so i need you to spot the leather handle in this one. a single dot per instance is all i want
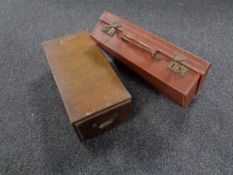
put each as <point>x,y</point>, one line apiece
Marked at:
<point>174,65</point>
<point>140,44</point>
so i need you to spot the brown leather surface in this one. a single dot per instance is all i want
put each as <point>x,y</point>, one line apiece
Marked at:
<point>86,81</point>
<point>179,88</point>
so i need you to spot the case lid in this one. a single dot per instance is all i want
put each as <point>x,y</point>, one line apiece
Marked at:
<point>86,81</point>
<point>155,45</point>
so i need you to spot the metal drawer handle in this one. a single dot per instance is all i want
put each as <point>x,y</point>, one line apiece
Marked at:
<point>106,123</point>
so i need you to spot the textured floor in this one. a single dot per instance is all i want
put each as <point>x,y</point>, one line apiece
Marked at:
<point>161,138</point>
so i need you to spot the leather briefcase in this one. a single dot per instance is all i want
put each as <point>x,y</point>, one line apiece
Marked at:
<point>175,72</point>
<point>94,97</point>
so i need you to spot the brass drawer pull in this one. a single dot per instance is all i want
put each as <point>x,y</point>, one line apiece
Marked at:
<point>106,123</point>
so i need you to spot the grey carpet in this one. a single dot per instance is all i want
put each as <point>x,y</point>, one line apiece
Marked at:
<point>161,138</point>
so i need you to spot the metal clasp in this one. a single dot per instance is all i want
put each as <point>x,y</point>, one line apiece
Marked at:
<point>110,29</point>
<point>157,55</point>
<point>176,66</point>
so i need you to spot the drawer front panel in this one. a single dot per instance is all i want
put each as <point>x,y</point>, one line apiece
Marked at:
<point>103,121</point>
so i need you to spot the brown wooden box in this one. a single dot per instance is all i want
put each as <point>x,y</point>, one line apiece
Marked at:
<point>93,95</point>
<point>175,72</point>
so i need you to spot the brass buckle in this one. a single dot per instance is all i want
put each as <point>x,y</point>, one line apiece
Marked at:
<point>110,29</point>
<point>176,67</point>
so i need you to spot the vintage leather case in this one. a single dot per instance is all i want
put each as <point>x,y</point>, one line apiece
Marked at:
<point>175,72</point>
<point>93,95</point>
